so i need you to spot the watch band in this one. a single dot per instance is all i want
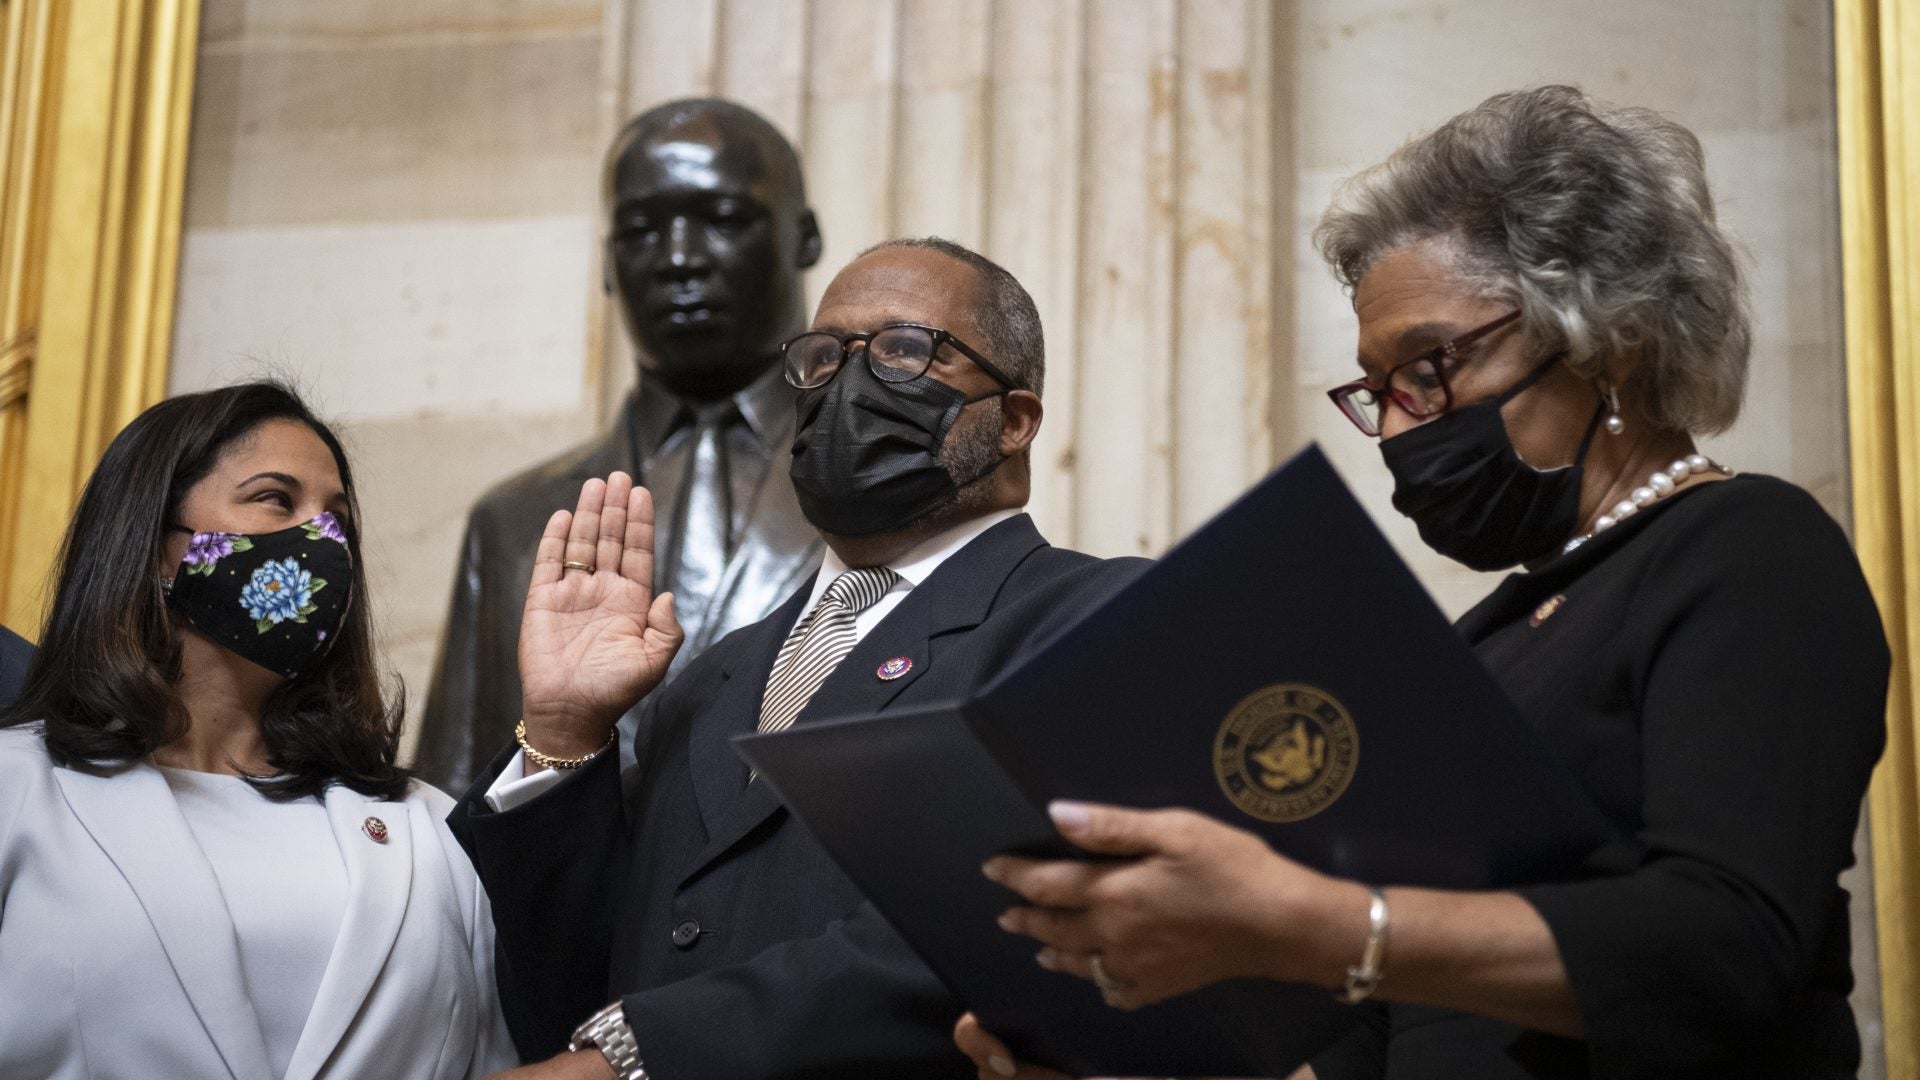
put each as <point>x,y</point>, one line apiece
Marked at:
<point>1365,976</point>
<point>607,1032</point>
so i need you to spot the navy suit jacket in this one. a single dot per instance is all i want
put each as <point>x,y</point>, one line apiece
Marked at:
<point>737,947</point>
<point>15,654</point>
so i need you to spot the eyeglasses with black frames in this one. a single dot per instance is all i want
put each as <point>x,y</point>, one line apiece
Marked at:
<point>1418,386</point>
<point>899,353</point>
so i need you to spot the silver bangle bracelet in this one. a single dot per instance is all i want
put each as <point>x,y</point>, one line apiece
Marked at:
<point>1364,977</point>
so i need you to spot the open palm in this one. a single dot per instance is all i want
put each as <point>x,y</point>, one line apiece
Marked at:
<point>593,643</point>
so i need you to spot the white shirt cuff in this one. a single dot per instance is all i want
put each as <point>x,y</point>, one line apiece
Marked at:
<point>513,787</point>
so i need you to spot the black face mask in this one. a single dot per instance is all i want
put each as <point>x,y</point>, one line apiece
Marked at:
<point>1474,500</point>
<point>866,458</point>
<point>278,599</point>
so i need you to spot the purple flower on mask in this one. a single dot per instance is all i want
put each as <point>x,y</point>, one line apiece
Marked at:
<point>325,526</point>
<point>208,548</point>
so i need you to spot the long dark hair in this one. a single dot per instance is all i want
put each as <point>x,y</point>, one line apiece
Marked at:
<point>104,679</point>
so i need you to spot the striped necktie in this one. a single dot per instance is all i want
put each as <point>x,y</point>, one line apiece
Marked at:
<point>819,643</point>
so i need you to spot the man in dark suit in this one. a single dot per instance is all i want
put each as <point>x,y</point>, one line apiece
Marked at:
<point>727,942</point>
<point>15,654</point>
<point>708,231</point>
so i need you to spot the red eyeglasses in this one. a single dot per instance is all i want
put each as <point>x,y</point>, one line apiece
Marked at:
<point>1418,386</point>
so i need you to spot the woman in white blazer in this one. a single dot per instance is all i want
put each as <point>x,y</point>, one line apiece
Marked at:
<point>210,863</point>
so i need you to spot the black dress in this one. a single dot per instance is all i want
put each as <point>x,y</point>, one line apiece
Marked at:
<point>1714,671</point>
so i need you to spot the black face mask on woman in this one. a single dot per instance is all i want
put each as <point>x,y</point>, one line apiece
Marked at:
<point>866,458</point>
<point>277,599</point>
<point>1474,500</point>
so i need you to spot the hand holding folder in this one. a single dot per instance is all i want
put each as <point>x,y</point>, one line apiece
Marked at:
<point>1192,903</point>
<point>1280,671</point>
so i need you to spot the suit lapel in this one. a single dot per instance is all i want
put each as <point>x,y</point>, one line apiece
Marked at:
<point>957,596</point>
<point>133,817</point>
<point>379,880</point>
<point>719,776</point>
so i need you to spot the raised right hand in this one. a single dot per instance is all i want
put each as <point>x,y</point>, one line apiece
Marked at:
<point>592,644</point>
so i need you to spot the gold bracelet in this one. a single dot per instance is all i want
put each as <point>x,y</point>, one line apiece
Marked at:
<point>546,762</point>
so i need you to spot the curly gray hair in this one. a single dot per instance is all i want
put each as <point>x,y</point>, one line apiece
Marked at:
<point>1594,221</point>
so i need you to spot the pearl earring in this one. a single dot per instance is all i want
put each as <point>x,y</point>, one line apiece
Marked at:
<point>1615,425</point>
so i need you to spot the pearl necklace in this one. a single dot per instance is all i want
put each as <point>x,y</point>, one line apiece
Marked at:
<point>1661,484</point>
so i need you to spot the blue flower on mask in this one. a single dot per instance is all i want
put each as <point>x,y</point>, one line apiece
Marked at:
<point>279,591</point>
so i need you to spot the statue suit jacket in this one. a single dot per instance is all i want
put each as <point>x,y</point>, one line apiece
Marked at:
<point>474,700</point>
<point>739,949</point>
<point>118,959</point>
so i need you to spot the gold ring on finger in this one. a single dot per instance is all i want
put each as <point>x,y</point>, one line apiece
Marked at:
<point>570,564</point>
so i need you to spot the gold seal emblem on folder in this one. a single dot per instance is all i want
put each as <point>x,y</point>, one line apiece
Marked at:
<point>1287,752</point>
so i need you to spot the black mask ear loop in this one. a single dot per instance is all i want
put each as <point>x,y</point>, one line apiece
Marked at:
<point>1539,372</point>
<point>998,461</point>
<point>1534,376</point>
<point>1593,425</point>
<point>166,583</point>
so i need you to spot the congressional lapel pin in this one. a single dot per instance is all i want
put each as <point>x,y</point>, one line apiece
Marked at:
<point>894,668</point>
<point>375,829</point>
<point>1546,609</point>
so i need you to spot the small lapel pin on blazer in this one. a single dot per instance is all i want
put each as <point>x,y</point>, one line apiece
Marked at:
<point>1546,609</point>
<point>894,668</point>
<point>375,829</point>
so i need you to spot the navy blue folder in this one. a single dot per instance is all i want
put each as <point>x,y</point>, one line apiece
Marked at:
<point>1281,670</point>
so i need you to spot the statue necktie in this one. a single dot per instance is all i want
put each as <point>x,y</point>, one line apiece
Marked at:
<point>817,645</point>
<point>705,523</point>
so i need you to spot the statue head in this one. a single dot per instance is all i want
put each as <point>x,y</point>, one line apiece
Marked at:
<point>708,231</point>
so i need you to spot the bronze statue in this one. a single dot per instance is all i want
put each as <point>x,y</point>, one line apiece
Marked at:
<point>708,231</point>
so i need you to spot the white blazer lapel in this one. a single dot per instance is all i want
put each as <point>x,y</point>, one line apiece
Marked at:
<point>133,817</point>
<point>379,878</point>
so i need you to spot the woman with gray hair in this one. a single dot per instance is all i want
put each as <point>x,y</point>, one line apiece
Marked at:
<point>1548,315</point>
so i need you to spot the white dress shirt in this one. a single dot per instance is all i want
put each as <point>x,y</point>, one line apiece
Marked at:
<point>513,787</point>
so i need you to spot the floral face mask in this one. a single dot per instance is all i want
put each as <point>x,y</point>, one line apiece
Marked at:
<point>277,599</point>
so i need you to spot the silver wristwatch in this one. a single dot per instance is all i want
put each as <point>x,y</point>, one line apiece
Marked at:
<point>607,1032</point>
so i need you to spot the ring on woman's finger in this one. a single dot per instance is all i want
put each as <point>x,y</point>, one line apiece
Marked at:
<point>1106,982</point>
<point>585,568</point>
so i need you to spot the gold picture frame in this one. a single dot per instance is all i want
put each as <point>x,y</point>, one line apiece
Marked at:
<point>1877,68</point>
<point>95,101</point>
